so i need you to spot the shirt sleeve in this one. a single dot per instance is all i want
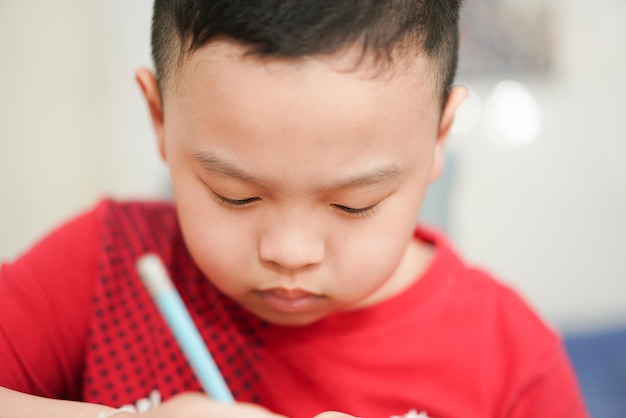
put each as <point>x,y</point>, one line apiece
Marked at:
<point>45,298</point>
<point>554,393</point>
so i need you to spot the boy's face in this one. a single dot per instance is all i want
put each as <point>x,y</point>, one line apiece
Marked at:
<point>298,183</point>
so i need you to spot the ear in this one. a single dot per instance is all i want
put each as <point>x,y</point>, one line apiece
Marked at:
<point>457,95</point>
<point>150,88</point>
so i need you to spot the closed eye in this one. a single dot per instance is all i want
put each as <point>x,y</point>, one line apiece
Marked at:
<point>234,203</point>
<point>358,212</point>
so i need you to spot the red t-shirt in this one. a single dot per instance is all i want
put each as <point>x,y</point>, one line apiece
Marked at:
<point>77,323</point>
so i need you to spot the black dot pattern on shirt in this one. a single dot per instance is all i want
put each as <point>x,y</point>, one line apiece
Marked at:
<point>130,350</point>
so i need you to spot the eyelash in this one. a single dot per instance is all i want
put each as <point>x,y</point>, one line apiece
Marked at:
<point>232,203</point>
<point>357,213</point>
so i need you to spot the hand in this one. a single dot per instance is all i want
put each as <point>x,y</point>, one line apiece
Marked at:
<point>197,405</point>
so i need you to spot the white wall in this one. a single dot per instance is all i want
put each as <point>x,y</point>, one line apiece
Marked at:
<point>548,218</point>
<point>73,126</point>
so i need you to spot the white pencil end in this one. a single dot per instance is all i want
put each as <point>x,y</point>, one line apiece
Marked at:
<point>153,274</point>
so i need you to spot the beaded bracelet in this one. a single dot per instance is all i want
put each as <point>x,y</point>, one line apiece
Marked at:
<point>108,414</point>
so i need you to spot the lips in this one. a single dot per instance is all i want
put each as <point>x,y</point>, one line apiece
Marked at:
<point>290,300</point>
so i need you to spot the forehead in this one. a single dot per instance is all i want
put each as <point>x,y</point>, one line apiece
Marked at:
<point>407,66</point>
<point>301,117</point>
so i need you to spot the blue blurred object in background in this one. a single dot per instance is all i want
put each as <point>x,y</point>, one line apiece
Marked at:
<point>599,359</point>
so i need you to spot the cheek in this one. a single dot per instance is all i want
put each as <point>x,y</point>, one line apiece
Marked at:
<point>220,246</point>
<point>220,254</point>
<point>373,251</point>
<point>210,232</point>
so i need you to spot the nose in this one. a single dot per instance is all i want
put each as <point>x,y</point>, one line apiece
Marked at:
<point>292,244</point>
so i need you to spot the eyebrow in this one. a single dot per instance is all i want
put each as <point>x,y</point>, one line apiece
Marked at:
<point>378,176</point>
<point>211,162</point>
<point>373,178</point>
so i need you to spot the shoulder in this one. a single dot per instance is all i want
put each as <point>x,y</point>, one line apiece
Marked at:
<point>487,303</point>
<point>510,346</point>
<point>109,211</point>
<point>75,247</point>
<point>48,288</point>
<point>69,245</point>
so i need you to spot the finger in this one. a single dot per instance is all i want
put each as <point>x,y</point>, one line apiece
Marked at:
<point>334,414</point>
<point>197,405</point>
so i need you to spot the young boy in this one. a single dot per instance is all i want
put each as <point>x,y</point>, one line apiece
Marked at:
<point>300,137</point>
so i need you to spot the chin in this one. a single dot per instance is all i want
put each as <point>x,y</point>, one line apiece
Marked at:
<point>290,319</point>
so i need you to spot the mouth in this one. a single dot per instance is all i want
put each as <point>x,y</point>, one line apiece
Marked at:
<point>289,300</point>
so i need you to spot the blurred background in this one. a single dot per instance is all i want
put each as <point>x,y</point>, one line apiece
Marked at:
<point>534,189</point>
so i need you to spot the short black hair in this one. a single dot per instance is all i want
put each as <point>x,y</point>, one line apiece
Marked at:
<point>298,28</point>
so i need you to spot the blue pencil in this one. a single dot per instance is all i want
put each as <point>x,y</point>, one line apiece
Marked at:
<point>160,286</point>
